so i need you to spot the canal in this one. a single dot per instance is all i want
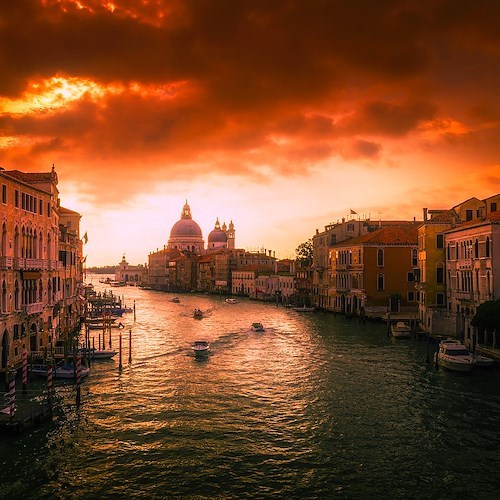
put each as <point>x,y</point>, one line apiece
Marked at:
<point>317,406</point>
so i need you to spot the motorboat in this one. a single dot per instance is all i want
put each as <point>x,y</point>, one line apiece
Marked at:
<point>197,314</point>
<point>117,283</point>
<point>453,355</point>
<point>483,361</point>
<point>258,327</point>
<point>176,300</point>
<point>61,371</point>
<point>231,301</point>
<point>201,348</point>
<point>304,308</point>
<point>400,330</point>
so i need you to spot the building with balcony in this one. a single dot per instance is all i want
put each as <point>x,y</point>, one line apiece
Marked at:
<point>40,265</point>
<point>373,274</point>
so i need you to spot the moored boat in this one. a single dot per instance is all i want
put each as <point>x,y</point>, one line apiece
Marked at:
<point>61,371</point>
<point>483,361</point>
<point>304,308</point>
<point>401,330</point>
<point>453,355</point>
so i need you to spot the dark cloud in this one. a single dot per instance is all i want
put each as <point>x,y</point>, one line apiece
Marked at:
<point>315,75</point>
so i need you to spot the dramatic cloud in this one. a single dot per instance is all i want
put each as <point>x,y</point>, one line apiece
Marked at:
<point>146,92</point>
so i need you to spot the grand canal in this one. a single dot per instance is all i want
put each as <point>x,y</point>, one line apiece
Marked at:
<point>317,406</point>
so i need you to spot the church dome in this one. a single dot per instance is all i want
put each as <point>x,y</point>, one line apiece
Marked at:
<point>217,237</point>
<point>185,227</point>
<point>185,233</point>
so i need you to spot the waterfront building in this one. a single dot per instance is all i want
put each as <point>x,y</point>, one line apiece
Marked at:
<point>373,274</point>
<point>437,316</point>
<point>132,275</point>
<point>324,241</point>
<point>159,265</point>
<point>244,281</point>
<point>473,261</point>
<point>40,265</point>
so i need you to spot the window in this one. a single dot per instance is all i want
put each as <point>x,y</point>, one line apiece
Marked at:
<point>411,276</point>
<point>4,194</point>
<point>487,246</point>
<point>411,297</point>
<point>16,198</point>
<point>380,282</point>
<point>439,241</point>
<point>414,257</point>
<point>476,249</point>
<point>468,215</point>
<point>440,276</point>
<point>380,257</point>
<point>440,299</point>
<point>493,207</point>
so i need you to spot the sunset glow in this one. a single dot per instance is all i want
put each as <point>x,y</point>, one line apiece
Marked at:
<point>282,116</point>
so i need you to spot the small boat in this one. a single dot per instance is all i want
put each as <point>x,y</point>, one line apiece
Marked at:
<point>258,327</point>
<point>453,355</point>
<point>304,308</point>
<point>176,300</point>
<point>483,361</point>
<point>201,348</point>
<point>401,330</point>
<point>231,301</point>
<point>197,313</point>
<point>117,283</point>
<point>99,353</point>
<point>62,371</point>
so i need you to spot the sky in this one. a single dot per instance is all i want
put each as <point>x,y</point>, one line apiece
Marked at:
<point>282,116</point>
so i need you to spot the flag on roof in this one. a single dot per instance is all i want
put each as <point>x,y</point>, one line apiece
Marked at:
<point>353,212</point>
<point>85,238</point>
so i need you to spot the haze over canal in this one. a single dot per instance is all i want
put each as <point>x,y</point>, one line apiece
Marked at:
<point>315,407</point>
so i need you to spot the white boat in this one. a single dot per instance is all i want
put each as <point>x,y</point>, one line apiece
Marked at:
<point>401,330</point>
<point>197,314</point>
<point>201,348</point>
<point>483,361</point>
<point>304,308</point>
<point>62,371</point>
<point>231,301</point>
<point>258,327</point>
<point>117,283</point>
<point>453,355</point>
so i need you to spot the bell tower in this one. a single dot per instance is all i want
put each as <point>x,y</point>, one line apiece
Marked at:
<point>231,234</point>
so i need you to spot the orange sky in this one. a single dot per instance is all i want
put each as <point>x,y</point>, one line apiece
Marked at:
<point>279,115</point>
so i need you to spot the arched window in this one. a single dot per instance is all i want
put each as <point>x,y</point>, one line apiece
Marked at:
<point>3,241</point>
<point>380,257</point>
<point>476,249</point>
<point>3,301</point>
<point>487,246</point>
<point>380,281</point>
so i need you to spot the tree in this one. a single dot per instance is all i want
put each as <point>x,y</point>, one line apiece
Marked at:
<point>304,253</point>
<point>487,315</point>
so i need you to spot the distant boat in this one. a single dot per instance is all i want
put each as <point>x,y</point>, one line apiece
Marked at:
<point>231,301</point>
<point>304,309</point>
<point>117,283</point>
<point>258,327</point>
<point>401,330</point>
<point>201,348</point>
<point>175,299</point>
<point>197,313</point>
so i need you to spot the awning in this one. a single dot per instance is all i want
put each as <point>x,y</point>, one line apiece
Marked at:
<point>31,275</point>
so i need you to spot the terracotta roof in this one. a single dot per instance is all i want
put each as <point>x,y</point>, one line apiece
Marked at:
<point>206,258</point>
<point>447,216</point>
<point>492,217</point>
<point>389,235</point>
<point>29,176</point>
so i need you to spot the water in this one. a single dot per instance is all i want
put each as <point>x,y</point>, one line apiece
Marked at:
<point>315,407</point>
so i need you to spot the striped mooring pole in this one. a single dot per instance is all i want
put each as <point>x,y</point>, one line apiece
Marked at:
<point>25,370</point>
<point>12,394</point>
<point>49,384</point>
<point>78,376</point>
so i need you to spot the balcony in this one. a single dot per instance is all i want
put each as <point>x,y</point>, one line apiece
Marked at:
<point>465,263</point>
<point>6,263</point>
<point>34,308</point>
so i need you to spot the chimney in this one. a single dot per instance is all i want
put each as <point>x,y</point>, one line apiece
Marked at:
<point>425,214</point>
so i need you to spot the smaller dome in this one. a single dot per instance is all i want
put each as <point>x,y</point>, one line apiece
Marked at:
<point>217,236</point>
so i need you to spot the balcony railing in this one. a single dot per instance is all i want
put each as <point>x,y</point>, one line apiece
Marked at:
<point>6,263</point>
<point>34,308</point>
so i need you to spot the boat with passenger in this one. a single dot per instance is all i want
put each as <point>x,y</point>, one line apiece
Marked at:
<point>197,314</point>
<point>258,327</point>
<point>401,330</point>
<point>201,348</point>
<point>176,300</point>
<point>453,355</point>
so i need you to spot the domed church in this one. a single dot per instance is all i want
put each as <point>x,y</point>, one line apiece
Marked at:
<point>186,234</point>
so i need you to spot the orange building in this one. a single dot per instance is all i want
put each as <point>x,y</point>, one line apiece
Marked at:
<point>373,274</point>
